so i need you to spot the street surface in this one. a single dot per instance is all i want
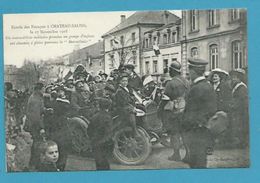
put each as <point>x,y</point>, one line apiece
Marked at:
<point>159,160</point>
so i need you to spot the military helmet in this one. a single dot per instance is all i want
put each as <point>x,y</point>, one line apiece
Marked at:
<point>175,65</point>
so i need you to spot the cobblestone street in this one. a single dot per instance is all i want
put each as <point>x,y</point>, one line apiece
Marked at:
<point>159,160</point>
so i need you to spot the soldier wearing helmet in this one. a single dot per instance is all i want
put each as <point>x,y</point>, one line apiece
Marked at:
<point>172,106</point>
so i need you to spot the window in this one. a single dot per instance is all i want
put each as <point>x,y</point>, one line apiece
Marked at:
<point>212,14</point>
<point>133,37</point>
<point>122,40</point>
<point>174,59</point>
<point>165,39</point>
<point>174,37</point>
<point>168,35</point>
<point>134,56</point>
<point>165,64</point>
<point>194,52</point>
<point>112,60</point>
<point>236,55</point>
<point>194,20</point>
<point>155,66</point>
<point>150,40</point>
<point>147,67</point>
<point>111,43</point>
<point>213,53</point>
<point>146,43</point>
<point>154,40</point>
<point>235,14</point>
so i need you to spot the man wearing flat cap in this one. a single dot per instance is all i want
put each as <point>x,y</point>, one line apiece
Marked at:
<point>200,107</point>
<point>34,122</point>
<point>134,80</point>
<point>175,92</point>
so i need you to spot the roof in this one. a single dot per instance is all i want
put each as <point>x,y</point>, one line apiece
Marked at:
<point>178,22</point>
<point>144,17</point>
<point>95,50</point>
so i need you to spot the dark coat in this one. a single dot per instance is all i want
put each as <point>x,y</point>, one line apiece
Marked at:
<point>59,130</point>
<point>124,101</point>
<point>100,128</point>
<point>240,117</point>
<point>224,96</point>
<point>47,167</point>
<point>200,105</point>
<point>135,82</point>
<point>35,111</point>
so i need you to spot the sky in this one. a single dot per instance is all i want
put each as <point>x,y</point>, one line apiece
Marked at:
<point>34,37</point>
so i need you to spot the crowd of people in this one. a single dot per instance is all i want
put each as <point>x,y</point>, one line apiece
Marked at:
<point>184,107</point>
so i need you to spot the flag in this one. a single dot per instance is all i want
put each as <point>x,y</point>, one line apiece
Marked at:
<point>68,75</point>
<point>156,50</point>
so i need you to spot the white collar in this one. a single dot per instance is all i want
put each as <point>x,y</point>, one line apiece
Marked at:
<point>200,78</point>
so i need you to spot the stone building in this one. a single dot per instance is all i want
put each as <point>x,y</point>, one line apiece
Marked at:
<point>167,38</point>
<point>123,43</point>
<point>218,36</point>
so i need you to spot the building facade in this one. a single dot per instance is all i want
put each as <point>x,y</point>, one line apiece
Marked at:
<point>167,38</point>
<point>124,43</point>
<point>218,36</point>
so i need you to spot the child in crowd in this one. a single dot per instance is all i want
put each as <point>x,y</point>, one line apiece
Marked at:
<point>49,155</point>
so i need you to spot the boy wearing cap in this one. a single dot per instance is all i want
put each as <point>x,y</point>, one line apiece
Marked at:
<point>200,107</point>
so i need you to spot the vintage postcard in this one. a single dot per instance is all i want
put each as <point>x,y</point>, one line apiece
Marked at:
<point>126,90</point>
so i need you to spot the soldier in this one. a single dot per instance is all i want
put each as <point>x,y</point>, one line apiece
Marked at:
<point>200,106</point>
<point>175,91</point>
<point>239,111</point>
<point>134,80</point>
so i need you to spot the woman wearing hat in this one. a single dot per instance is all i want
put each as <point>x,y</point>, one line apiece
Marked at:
<point>125,102</point>
<point>222,89</point>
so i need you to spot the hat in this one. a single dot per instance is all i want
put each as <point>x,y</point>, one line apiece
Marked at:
<point>240,73</point>
<point>129,66</point>
<point>218,70</point>
<point>77,81</point>
<point>110,87</point>
<point>147,80</point>
<point>197,63</point>
<point>175,65</point>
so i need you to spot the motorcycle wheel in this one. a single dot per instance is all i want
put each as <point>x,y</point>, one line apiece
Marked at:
<point>131,150</point>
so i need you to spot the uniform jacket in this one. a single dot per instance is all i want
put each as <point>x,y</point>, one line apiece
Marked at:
<point>176,87</point>
<point>200,104</point>
<point>240,106</point>
<point>124,100</point>
<point>35,110</point>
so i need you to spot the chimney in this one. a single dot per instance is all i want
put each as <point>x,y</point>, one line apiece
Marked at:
<point>122,18</point>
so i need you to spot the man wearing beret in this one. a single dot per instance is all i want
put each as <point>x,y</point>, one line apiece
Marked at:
<point>200,107</point>
<point>134,80</point>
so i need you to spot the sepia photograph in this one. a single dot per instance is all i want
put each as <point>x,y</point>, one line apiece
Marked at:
<point>126,90</point>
